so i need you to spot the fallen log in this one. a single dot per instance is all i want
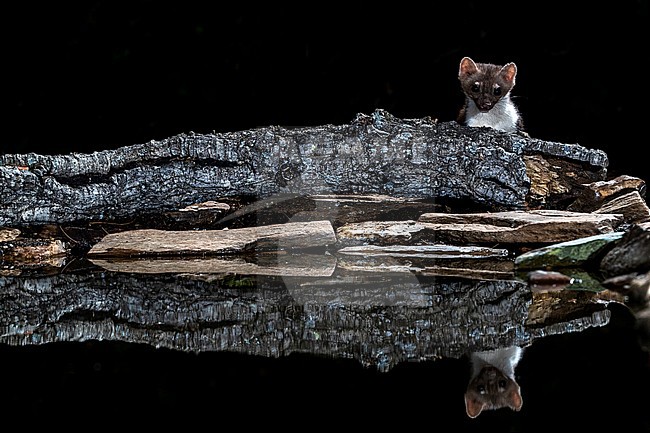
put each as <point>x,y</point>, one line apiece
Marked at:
<point>375,154</point>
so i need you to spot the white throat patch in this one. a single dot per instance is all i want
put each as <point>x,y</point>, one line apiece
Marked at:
<point>503,116</point>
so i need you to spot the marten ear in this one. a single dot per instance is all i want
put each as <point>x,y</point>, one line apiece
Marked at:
<point>515,400</point>
<point>467,67</point>
<point>509,72</point>
<point>473,406</point>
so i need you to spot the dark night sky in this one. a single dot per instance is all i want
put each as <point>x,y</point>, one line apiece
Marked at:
<point>82,76</point>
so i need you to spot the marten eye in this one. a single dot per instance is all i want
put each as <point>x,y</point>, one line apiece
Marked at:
<point>497,91</point>
<point>481,389</point>
<point>502,384</point>
<point>476,87</point>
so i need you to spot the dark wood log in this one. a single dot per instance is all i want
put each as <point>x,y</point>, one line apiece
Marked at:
<point>375,154</point>
<point>555,182</point>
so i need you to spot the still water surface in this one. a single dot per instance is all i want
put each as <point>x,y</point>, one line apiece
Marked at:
<point>350,350</point>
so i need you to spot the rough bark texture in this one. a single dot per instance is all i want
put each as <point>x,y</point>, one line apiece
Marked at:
<point>375,154</point>
<point>379,321</point>
<point>389,304</point>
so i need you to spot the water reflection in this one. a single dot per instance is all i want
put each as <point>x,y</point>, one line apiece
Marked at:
<point>379,320</point>
<point>492,384</point>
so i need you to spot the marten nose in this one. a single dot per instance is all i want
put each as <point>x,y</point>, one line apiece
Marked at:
<point>485,105</point>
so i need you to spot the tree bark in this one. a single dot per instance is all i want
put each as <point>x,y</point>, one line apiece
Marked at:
<point>375,154</point>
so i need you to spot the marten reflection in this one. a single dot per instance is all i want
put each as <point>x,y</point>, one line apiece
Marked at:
<point>492,383</point>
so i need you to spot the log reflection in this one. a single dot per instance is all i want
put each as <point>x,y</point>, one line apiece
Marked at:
<point>377,319</point>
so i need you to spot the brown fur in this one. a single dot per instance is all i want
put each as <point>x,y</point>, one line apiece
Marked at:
<point>485,85</point>
<point>493,385</point>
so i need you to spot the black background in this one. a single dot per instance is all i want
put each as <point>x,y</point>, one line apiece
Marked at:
<point>82,76</point>
<point>85,76</point>
<point>595,380</point>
